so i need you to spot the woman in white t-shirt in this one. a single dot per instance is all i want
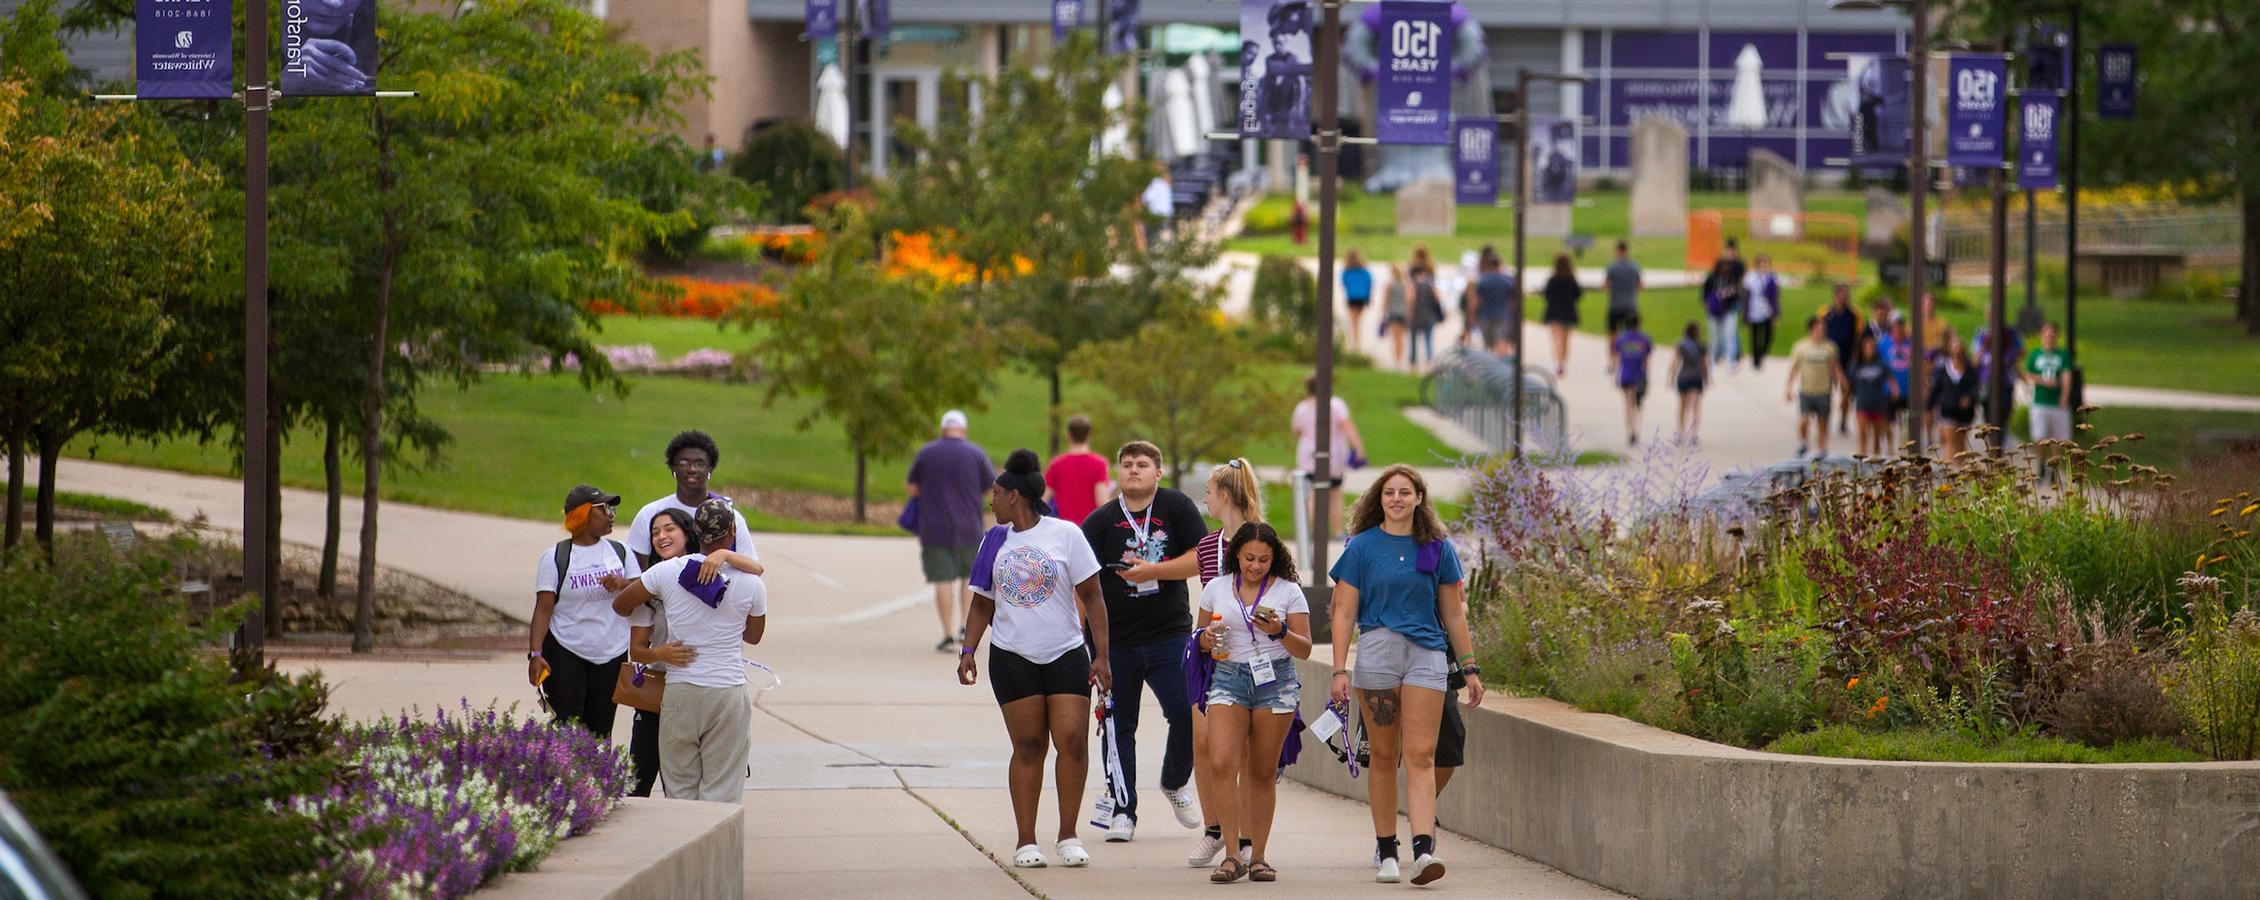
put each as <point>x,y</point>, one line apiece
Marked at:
<point>1257,615</point>
<point>1342,439</point>
<point>648,643</point>
<point>1036,581</point>
<point>574,643</point>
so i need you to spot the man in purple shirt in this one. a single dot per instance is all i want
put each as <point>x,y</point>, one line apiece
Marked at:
<point>948,480</point>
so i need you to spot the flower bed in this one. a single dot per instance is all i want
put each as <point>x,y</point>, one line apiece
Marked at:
<point>438,808</point>
<point>687,297</point>
<point>1956,601</point>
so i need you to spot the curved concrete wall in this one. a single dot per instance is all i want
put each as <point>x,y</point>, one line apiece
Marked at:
<point>1663,815</point>
<point>648,849</point>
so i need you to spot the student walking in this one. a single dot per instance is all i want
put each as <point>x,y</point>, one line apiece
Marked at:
<point>1149,621</point>
<point>1492,305</point>
<point>1037,587</point>
<point>575,643</point>
<point>946,480</point>
<point>1691,372</point>
<point>1342,437</point>
<point>1899,354</point>
<point>1399,588</point>
<point>1259,618</point>
<point>652,649</point>
<point>1842,324</point>
<point>1722,300</point>
<point>1625,282</point>
<point>1357,292</point>
<point>1873,392</point>
<point>1075,483</point>
<point>1761,293</point>
<point>1954,397</point>
<point>692,458</point>
<point>2045,369</point>
<point>1813,375</point>
<point>1396,309</point>
<point>1427,313</point>
<point>1628,357</point>
<point>705,715</point>
<point>1562,294</point>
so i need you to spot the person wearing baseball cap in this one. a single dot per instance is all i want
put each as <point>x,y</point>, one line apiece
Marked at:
<point>576,644</point>
<point>705,716</point>
<point>949,480</point>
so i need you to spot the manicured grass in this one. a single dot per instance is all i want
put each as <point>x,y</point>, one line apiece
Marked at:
<point>521,440</point>
<point>1368,223</point>
<point>1920,745</point>
<point>2176,440</point>
<point>106,507</point>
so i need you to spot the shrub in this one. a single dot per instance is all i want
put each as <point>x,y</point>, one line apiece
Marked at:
<point>794,163</point>
<point>126,742</point>
<point>2216,684</point>
<point>1268,216</point>
<point>1283,306</point>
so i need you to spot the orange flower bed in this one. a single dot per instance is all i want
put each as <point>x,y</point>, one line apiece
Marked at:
<point>699,298</point>
<point>914,254</point>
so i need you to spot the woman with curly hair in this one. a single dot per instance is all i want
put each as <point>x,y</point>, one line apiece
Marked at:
<point>1258,618</point>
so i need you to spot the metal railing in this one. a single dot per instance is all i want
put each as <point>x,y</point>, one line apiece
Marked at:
<point>2201,234</point>
<point>1476,389</point>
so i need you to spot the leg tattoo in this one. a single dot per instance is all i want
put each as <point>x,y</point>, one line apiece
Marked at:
<point>1382,706</point>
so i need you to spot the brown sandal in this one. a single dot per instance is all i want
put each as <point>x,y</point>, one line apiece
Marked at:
<point>1262,871</point>
<point>1228,871</point>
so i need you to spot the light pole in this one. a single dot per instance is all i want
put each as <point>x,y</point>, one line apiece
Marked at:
<point>1326,138</point>
<point>1520,144</point>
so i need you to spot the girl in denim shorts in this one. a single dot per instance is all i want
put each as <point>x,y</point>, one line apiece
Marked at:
<point>1257,619</point>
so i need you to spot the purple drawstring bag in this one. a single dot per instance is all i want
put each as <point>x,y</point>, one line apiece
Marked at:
<point>985,560</point>
<point>908,521</point>
<point>710,592</point>
<point>1293,748</point>
<point>1200,669</point>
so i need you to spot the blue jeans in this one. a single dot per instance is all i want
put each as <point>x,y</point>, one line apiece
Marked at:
<point>1726,337</point>
<point>1423,335</point>
<point>1157,665</point>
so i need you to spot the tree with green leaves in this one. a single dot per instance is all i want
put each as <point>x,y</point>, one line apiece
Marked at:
<point>1046,223</point>
<point>884,354</point>
<point>1193,390</point>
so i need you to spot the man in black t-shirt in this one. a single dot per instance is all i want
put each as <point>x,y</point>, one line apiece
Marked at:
<point>1147,621</point>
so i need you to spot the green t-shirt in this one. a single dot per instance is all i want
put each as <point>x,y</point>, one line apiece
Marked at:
<point>2047,364</point>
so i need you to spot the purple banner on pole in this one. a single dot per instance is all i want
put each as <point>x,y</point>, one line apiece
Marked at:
<point>822,19</point>
<point>1475,162</point>
<point>1414,90</point>
<point>1121,26</point>
<point>183,49</point>
<point>1880,110</point>
<point>1067,15</point>
<point>1975,84</point>
<point>329,50</point>
<point>878,19</point>
<point>1553,160</point>
<point>2114,81</point>
<point>1275,68</point>
<point>2036,143</point>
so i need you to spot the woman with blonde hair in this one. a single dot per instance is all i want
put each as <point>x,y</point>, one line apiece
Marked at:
<point>1399,588</point>
<point>1235,498</point>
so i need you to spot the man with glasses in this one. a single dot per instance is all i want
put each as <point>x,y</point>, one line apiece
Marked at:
<point>691,456</point>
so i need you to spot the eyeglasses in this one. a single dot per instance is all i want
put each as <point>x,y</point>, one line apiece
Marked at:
<point>695,465</point>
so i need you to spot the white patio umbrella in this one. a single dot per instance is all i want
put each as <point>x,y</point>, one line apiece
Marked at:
<point>1746,107</point>
<point>832,104</point>
<point>1177,99</point>
<point>1202,74</point>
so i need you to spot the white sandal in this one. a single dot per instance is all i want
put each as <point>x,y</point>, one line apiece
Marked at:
<point>1072,854</point>
<point>1030,857</point>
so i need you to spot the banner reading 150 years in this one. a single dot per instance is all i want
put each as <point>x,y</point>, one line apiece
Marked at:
<point>183,49</point>
<point>1414,92</point>
<point>329,48</point>
<point>1275,68</point>
<point>1475,162</point>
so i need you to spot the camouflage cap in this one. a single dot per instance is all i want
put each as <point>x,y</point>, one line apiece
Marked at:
<point>713,520</point>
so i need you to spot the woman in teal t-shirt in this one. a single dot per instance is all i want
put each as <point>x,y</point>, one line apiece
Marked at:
<point>1400,587</point>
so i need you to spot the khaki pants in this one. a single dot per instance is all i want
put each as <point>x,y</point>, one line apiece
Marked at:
<point>705,740</point>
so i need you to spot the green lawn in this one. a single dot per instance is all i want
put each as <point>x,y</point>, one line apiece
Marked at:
<point>1369,223</point>
<point>521,440</point>
<point>2173,439</point>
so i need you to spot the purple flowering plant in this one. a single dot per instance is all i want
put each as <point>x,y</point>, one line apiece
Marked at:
<point>438,807</point>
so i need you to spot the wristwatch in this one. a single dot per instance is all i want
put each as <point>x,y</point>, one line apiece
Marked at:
<point>533,654</point>
<point>1471,669</point>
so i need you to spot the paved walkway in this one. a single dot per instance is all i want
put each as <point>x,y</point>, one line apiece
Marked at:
<point>876,774</point>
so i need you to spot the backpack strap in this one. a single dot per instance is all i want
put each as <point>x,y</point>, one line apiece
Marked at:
<point>621,551</point>
<point>564,561</point>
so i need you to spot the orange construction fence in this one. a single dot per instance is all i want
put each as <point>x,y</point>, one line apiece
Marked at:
<point>1811,245</point>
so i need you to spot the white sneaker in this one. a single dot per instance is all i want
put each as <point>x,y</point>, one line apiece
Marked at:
<point>1181,803</point>
<point>1072,854</point>
<point>1247,854</point>
<point>1386,873</point>
<point>1427,868</point>
<point>1120,831</point>
<point>1205,851</point>
<point>1030,857</point>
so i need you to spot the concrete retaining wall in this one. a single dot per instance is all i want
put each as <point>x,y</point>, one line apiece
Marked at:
<point>650,849</point>
<point>1663,815</point>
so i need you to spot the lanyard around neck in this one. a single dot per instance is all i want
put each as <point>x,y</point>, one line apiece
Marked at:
<point>1247,615</point>
<point>1140,531</point>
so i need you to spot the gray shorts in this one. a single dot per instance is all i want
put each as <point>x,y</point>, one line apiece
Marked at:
<point>946,564</point>
<point>1388,660</point>
<point>1815,405</point>
<point>2051,423</point>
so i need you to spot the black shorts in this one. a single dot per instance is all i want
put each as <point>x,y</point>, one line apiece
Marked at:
<point>1618,319</point>
<point>1451,734</point>
<point>1013,677</point>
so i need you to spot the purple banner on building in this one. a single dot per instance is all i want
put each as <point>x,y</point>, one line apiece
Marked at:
<point>1880,112</point>
<point>2036,139</point>
<point>183,49</point>
<point>878,20</point>
<point>2114,81</point>
<point>1121,26</point>
<point>1810,99</point>
<point>1553,160</point>
<point>1067,15</point>
<point>1275,68</point>
<point>1975,89</point>
<point>822,19</point>
<point>329,50</point>
<point>1413,91</point>
<point>1475,162</point>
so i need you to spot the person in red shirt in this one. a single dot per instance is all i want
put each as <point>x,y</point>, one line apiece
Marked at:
<point>1077,480</point>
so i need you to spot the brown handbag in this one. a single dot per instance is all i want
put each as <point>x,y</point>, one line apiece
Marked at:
<point>645,696</point>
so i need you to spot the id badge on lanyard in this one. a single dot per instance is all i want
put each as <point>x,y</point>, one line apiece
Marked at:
<point>1140,534</point>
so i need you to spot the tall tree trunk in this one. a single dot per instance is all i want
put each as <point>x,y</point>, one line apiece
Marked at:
<point>333,484</point>
<point>860,472</point>
<point>1054,417</point>
<point>50,450</point>
<point>2248,293</point>
<point>270,594</point>
<point>14,530</point>
<point>372,459</point>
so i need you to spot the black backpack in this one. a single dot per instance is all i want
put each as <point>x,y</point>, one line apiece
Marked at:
<point>565,559</point>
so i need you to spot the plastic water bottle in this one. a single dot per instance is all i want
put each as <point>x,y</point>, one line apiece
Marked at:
<point>1220,652</point>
